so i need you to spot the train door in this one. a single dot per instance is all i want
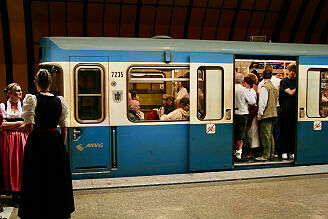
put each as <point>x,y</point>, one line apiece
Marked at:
<point>312,113</point>
<point>89,136</point>
<point>211,102</point>
<point>283,127</point>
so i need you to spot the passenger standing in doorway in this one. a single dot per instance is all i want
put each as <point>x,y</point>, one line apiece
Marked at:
<point>288,105</point>
<point>253,136</point>
<point>47,181</point>
<point>276,129</point>
<point>243,97</point>
<point>267,115</point>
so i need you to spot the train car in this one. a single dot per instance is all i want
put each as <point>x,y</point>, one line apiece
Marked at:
<point>96,76</point>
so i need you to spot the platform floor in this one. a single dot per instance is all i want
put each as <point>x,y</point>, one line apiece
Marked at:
<point>236,174</point>
<point>288,192</point>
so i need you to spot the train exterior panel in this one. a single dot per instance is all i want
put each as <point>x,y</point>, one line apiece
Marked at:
<point>97,75</point>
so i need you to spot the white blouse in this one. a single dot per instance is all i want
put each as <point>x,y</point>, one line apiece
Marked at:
<point>29,105</point>
<point>7,112</point>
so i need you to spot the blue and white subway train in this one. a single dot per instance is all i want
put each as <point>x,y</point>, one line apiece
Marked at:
<point>95,76</point>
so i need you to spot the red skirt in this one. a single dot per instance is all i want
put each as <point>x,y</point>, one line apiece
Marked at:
<point>12,153</point>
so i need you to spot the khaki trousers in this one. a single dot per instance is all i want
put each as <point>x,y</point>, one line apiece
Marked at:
<point>266,135</point>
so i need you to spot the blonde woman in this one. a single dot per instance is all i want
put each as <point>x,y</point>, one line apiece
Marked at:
<point>13,138</point>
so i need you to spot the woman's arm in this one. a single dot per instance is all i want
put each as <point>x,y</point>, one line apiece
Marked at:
<point>12,125</point>
<point>21,128</point>
<point>63,119</point>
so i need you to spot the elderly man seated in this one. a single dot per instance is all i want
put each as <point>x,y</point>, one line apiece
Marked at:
<point>134,111</point>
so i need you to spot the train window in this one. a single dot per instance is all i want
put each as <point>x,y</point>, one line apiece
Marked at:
<point>89,93</point>
<point>154,88</point>
<point>317,93</point>
<point>57,78</point>
<point>209,93</point>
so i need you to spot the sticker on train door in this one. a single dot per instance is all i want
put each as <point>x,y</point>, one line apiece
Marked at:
<point>210,128</point>
<point>317,125</point>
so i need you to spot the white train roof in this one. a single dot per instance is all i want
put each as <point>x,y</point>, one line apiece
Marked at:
<point>151,44</point>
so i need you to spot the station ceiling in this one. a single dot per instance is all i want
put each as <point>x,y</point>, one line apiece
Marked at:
<point>24,22</point>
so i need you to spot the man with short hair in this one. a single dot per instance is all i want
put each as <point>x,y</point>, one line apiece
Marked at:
<point>267,114</point>
<point>243,97</point>
<point>276,130</point>
<point>288,102</point>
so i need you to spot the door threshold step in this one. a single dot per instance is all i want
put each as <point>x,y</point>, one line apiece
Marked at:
<point>261,163</point>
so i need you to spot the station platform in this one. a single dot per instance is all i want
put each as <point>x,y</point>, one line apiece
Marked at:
<point>236,174</point>
<point>138,197</point>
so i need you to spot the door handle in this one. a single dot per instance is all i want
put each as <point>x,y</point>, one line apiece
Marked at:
<point>228,114</point>
<point>302,113</point>
<point>76,133</point>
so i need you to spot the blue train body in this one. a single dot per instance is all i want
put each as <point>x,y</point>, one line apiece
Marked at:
<point>104,142</point>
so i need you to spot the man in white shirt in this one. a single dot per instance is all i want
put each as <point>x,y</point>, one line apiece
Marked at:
<point>243,97</point>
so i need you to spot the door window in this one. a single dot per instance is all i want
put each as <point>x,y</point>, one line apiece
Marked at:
<point>317,93</point>
<point>89,94</point>
<point>209,93</point>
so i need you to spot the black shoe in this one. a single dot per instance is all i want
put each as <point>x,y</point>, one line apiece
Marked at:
<point>15,199</point>
<point>237,159</point>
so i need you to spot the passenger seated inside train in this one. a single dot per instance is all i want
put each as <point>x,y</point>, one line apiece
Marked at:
<point>135,113</point>
<point>324,101</point>
<point>181,113</point>
<point>324,94</point>
<point>166,108</point>
<point>324,112</point>
<point>156,113</point>
<point>161,109</point>
<point>169,107</point>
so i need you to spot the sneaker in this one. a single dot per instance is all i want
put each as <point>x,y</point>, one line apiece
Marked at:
<point>284,156</point>
<point>291,156</point>
<point>261,158</point>
<point>238,154</point>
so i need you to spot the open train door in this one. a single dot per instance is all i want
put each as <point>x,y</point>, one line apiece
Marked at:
<point>312,125</point>
<point>211,105</point>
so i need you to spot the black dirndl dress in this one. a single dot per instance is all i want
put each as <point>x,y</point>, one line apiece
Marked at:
<point>46,176</point>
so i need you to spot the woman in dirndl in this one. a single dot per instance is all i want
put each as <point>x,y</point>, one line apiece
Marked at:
<point>47,180</point>
<point>13,138</point>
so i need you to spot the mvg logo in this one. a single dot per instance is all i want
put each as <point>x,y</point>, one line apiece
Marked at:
<point>95,145</point>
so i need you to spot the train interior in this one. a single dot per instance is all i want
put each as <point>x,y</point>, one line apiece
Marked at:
<point>148,85</point>
<point>252,146</point>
